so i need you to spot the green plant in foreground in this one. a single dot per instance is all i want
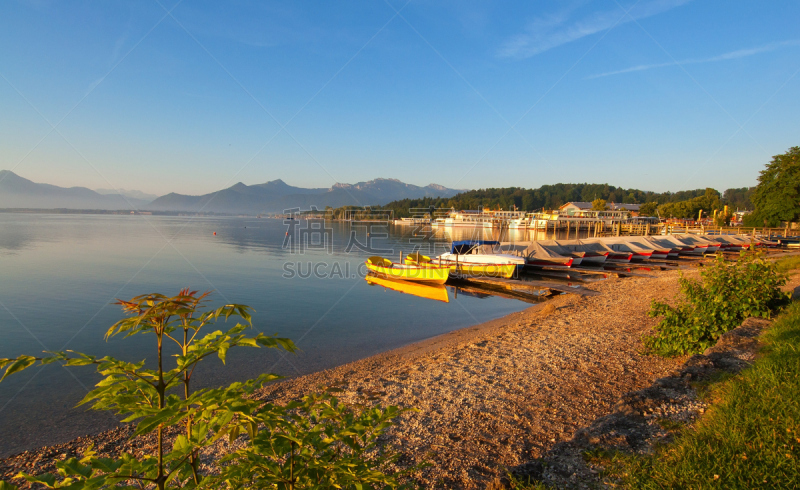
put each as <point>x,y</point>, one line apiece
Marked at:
<point>316,442</point>
<point>727,294</point>
<point>749,438</point>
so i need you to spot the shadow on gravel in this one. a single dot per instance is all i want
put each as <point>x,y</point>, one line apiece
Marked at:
<point>641,419</point>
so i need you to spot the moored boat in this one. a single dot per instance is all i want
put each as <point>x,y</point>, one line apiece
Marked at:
<point>466,268</point>
<point>535,255</point>
<point>636,253</point>
<point>673,250</point>
<point>593,253</point>
<point>699,241</point>
<point>467,253</point>
<point>729,243</point>
<point>639,242</point>
<point>684,248</point>
<point>387,268</point>
<point>578,256</point>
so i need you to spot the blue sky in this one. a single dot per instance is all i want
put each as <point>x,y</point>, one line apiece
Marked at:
<point>193,96</point>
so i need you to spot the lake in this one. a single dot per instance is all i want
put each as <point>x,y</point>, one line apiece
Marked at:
<point>61,273</point>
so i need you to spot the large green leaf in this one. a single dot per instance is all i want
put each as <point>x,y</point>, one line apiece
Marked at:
<point>18,364</point>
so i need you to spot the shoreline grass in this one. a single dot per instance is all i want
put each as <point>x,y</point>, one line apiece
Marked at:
<point>787,264</point>
<point>749,437</point>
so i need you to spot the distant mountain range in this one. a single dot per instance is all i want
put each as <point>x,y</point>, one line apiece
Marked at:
<point>270,197</point>
<point>18,192</point>
<point>277,196</point>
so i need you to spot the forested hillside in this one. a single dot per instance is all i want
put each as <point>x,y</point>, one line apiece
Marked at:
<point>544,197</point>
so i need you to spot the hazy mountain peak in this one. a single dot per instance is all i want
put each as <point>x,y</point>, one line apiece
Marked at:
<point>136,194</point>
<point>8,174</point>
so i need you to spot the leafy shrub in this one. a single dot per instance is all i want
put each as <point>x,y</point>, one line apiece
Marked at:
<point>726,294</point>
<point>316,442</point>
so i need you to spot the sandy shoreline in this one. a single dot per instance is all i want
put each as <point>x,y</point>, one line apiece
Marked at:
<point>502,393</point>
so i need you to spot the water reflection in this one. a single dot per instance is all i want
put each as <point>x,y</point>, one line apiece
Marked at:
<point>420,290</point>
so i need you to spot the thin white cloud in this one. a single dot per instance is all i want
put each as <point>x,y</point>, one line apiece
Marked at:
<point>739,53</point>
<point>547,32</point>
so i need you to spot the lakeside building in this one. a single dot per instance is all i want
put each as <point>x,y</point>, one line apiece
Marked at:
<point>578,208</point>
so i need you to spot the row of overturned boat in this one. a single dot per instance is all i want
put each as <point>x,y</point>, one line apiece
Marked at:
<point>485,258</point>
<point>485,263</point>
<point>599,251</point>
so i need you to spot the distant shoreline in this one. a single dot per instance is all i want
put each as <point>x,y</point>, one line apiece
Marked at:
<point>126,212</point>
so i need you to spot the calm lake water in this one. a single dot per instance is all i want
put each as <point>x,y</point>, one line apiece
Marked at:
<point>60,274</point>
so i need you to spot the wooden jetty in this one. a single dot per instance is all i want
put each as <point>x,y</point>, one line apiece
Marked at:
<point>530,285</point>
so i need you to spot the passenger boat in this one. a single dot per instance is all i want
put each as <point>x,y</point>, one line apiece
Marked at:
<point>392,270</point>
<point>519,223</point>
<point>464,219</point>
<point>468,253</point>
<point>435,292</point>
<point>467,269</point>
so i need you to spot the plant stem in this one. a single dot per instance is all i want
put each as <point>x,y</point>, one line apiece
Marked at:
<point>193,460</point>
<point>291,468</point>
<point>161,390</point>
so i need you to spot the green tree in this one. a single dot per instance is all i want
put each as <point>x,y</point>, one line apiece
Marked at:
<point>739,199</point>
<point>648,209</point>
<point>599,205</point>
<point>777,195</point>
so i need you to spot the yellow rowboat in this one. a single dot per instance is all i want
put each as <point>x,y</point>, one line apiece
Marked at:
<point>423,290</point>
<point>465,269</point>
<point>406,272</point>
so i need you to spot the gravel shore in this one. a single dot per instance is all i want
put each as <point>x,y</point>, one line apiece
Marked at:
<point>495,396</point>
<point>491,398</point>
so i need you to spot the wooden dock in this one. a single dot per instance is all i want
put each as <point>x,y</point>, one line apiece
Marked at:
<point>530,285</point>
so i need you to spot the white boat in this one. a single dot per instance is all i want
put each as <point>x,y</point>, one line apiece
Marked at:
<point>519,223</point>
<point>464,219</point>
<point>467,252</point>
